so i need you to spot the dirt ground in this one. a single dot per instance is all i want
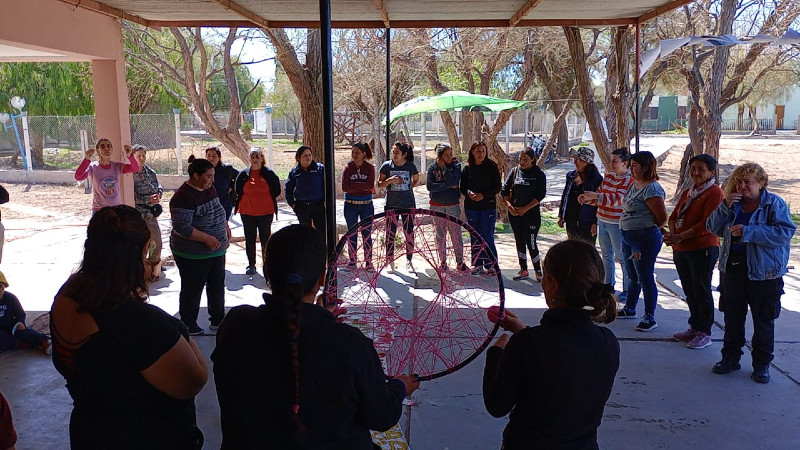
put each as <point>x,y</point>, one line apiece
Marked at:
<point>34,207</point>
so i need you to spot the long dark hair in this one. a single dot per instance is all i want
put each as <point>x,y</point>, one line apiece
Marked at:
<point>296,258</point>
<point>578,269</point>
<point>364,147</point>
<point>406,149</point>
<point>471,155</point>
<point>112,269</point>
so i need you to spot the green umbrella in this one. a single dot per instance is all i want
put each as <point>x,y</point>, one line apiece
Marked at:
<point>452,101</point>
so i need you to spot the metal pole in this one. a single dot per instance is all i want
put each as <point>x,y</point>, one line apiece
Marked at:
<point>388,89</point>
<point>327,121</point>
<point>268,118</point>
<point>424,160</point>
<point>28,160</point>
<point>636,83</point>
<point>177,114</point>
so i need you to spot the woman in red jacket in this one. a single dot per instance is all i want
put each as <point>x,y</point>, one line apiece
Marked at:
<point>695,249</point>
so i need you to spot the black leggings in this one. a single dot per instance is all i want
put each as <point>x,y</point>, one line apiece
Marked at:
<point>251,225</point>
<point>526,231</point>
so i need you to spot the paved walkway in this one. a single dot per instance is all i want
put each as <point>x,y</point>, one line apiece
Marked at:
<point>664,395</point>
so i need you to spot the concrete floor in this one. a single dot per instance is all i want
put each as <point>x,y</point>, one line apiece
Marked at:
<point>664,396</point>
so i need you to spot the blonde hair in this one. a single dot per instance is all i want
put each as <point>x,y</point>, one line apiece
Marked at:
<point>746,170</point>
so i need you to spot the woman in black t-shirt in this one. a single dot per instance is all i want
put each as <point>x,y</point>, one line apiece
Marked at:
<point>131,368</point>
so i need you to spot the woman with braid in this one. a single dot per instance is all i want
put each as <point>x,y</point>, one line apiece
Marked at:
<point>288,375</point>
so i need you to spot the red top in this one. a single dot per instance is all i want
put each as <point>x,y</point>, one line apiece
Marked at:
<point>695,218</point>
<point>8,436</point>
<point>256,198</point>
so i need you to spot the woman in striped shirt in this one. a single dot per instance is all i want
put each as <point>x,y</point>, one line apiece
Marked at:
<point>608,199</point>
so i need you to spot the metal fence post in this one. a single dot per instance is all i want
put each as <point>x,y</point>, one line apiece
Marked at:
<point>27,136</point>
<point>268,118</point>
<point>177,114</point>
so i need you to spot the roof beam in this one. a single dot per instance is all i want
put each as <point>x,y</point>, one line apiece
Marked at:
<point>110,11</point>
<point>384,14</point>
<point>368,24</point>
<point>526,8</point>
<point>244,12</point>
<point>662,9</point>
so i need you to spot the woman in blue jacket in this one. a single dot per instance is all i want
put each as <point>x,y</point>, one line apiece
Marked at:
<point>757,230</point>
<point>580,218</point>
<point>443,179</point>
<point>305,190</point>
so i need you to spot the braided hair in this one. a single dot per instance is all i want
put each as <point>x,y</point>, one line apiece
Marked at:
<point>296,257</point>
<point>578,269</point>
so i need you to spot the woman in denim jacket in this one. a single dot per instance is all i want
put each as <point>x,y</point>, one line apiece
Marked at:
<point>757,230</point>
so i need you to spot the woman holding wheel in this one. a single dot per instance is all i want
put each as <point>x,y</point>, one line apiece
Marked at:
<point>555,378</point>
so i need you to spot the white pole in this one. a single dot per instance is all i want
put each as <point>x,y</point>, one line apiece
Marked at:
<point>508,134</point>
<point>525,128</point>
<point>268,114</point>
<point>177,114</point>
<point>87,188</point>
<point>424,159</point>
<point>27,137</point>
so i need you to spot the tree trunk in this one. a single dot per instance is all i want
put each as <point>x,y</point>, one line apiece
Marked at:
<point>452,133</point>
<point>499,156</point>
<point>684,181</point>
<point>586,93</point>
<point>306,83</point>
<point>712,92</point>
<point>558,127</point>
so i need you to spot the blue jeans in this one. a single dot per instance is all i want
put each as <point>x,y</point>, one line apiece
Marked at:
<point>641,271</point>
<point>354,214</point>
<point>610,237</point>
<point>483,222</point>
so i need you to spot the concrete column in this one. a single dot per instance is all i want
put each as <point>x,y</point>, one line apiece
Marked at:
<point>111,111</point>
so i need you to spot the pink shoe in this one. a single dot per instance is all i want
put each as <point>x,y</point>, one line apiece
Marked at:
<point>685,336</point>
<point>701,340</point>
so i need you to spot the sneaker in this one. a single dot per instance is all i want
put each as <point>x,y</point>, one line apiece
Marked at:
<point>351,265</point>
<point>443,267</point>
<point>685,336</point>
<point>409,266</point>
<point>251,270</point>
<point>462,267</point>
<point>760,374</point>
<point>701,340</point>
<point>726,366</point>
<point>477,270</point>
<point>491,271</point>
<point>195,330</point>
<point>648,323</point>
<point>521,275</point>
<point>213,326</point>
<point>47,347</point>
<point>539,275</point>
<point>369,267</point>
<point>626,313</point>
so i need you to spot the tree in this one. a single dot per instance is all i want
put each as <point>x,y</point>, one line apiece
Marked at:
<point>187,58</point>
<point>306,80</point>
<point>284,103</point>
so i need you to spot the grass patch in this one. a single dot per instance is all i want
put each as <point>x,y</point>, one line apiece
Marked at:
<point>795,218</point>
<point>549,225</point>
